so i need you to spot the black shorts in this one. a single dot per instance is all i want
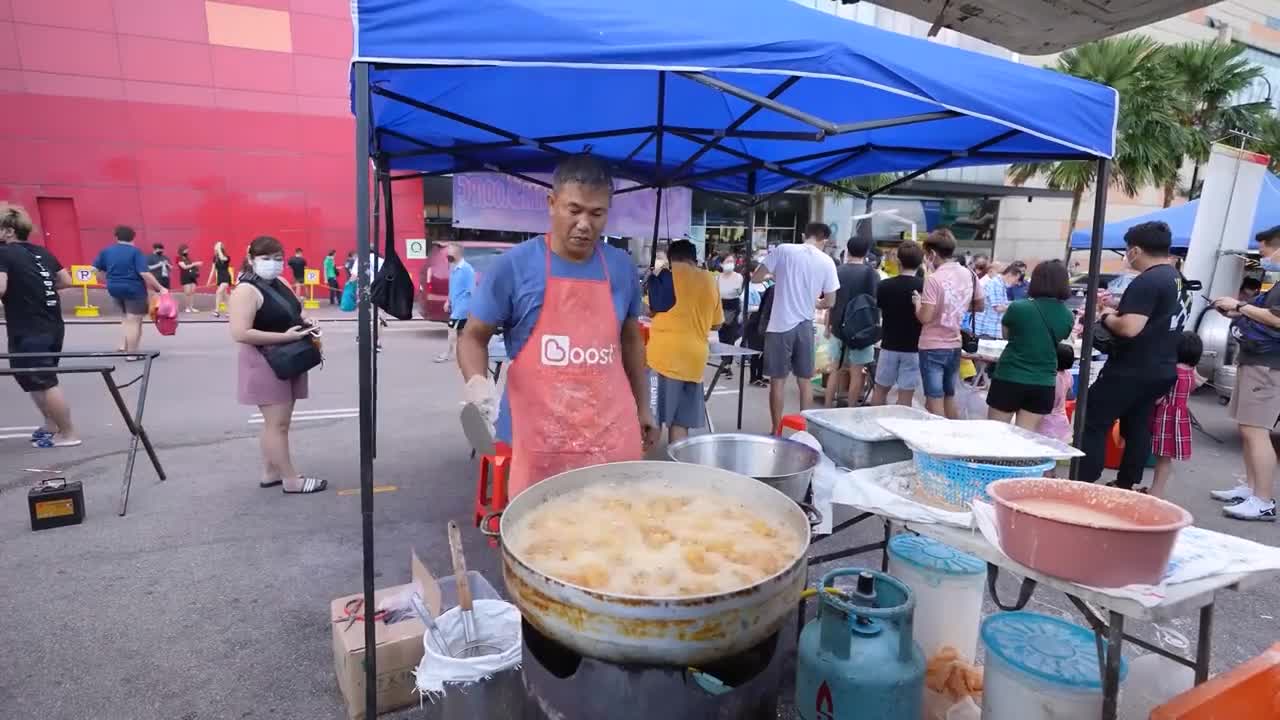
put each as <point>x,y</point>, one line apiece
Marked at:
<point>50,341</point>
<point>1012,397</point>
<point>458,324</point>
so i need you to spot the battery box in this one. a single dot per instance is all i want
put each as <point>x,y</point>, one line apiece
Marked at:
<point>56,502</point>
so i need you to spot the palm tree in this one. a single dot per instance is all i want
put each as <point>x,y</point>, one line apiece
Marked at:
<point>1149,139</point>
<point>1207,77</point>
<point>1267,140</point>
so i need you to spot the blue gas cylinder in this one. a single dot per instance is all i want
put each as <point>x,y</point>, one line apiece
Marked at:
<point>858,660</point>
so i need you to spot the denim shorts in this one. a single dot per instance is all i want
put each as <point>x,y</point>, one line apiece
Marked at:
<point>860,356</point>
<point>676,402</point>
<point>898,369</point>
<point>940,372</point>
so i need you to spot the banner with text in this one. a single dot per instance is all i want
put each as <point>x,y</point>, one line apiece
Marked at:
<point>493,201</point>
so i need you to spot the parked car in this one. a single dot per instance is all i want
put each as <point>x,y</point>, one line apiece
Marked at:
<point>433,279</point>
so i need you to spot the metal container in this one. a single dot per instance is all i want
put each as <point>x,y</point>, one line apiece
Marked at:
<point>678,631</point>
<point>858,658</point>
<point>786,465</point>
<point>853,438</point>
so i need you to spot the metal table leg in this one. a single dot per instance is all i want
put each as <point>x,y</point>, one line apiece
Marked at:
<point>134,424</point>
<point>1111,676</point>
<point>742,386</point>
<point>1204,643</point>
<point>711,388</point>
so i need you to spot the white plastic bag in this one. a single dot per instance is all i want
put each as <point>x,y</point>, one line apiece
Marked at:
<point>972,402</point>
<point>496,622</point>
<point>824,480</point>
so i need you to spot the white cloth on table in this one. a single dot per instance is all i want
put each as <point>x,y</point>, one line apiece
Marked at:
<point>882,489</point>
<point>824,478</point>
<point>1197,554</point>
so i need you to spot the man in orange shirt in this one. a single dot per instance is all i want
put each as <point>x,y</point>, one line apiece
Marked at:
<point>678,339</point>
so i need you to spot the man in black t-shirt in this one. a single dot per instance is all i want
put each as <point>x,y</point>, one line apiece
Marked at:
<point>856,278</point>
<point>899,362</point>
<point>30,278</point>
<point>1141,366</point>
<point>298,268</point>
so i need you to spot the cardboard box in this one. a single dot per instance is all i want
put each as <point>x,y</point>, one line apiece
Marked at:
<point>398,648</point>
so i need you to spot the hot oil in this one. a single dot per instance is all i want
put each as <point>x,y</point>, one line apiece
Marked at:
<point>653,539</point>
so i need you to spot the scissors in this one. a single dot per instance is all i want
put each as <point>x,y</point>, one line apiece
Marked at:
<point>351,613</point>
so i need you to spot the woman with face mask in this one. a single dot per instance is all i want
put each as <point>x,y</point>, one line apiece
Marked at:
<point>264,311</point>
<point>189,274</point>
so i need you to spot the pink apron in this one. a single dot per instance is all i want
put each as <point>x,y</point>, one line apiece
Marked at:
<point>571,403</point>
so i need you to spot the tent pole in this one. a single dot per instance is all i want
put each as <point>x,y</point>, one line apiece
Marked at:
<point>657,168</point>
<point>374,241</point>
<point>1091,303</point>
<point>361,72</point>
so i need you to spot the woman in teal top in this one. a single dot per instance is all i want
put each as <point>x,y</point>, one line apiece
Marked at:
<point>1022,387</point>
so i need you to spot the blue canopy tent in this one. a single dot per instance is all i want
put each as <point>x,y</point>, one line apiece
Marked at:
<point>1182,218</point>
<point>744,101</point>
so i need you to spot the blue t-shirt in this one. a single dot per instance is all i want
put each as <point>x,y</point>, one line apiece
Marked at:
<point>124,264</point>
<point>509,295</point>
<point>462,280</point>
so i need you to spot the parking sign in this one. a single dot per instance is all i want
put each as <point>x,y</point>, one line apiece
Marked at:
<point>311,276</point>
<point>82,275</point>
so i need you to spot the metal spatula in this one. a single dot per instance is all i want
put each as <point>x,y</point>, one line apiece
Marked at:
<point>470,646</point>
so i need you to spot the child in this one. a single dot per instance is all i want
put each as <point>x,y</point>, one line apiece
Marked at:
<point>1170,420</point>
<point>1055,424</point>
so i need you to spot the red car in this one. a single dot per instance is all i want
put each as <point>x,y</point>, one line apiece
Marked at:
<point>433,279</point>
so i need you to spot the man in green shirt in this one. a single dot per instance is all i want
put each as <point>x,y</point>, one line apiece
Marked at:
<point>331,277</point>
<point>1024,384</point>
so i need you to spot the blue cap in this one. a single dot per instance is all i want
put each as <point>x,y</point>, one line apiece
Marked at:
<point>932,555</point>
<point>1046,648</point>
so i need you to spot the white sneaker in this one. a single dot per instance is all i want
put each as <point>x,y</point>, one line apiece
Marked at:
<point>1255,508</point>
<point>1237,493</point>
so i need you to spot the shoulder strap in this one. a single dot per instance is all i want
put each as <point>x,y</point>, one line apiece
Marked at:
<point>268,290</point>
<point>1052,340</point>
<point>973,304</point>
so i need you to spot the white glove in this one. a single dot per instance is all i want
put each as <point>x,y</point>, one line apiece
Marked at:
<point>481,392</point>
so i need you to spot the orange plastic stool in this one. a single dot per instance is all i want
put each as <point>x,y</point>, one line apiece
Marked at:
<point>1250,691</point>
<point>491,487</point>
<point>794,422</point>
<point>1070,407</point>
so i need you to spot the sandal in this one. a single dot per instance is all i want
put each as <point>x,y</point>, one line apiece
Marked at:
<point>309,485</point>
<point>270,483</point>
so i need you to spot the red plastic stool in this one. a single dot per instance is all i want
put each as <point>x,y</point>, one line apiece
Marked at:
<point>491,487</point>
<point>793,422</point>
<point>1115,444</point>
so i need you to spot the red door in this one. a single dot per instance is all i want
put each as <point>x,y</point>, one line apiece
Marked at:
<point>61,229</point>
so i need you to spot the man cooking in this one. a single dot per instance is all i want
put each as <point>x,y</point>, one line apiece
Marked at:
<point>568,305</point>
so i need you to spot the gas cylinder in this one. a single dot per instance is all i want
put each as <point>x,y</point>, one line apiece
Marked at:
<point>858,660</point>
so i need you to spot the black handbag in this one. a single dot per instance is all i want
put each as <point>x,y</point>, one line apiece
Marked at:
<point>392,288</point>
<point>296,357</point>
<point>969,338</point>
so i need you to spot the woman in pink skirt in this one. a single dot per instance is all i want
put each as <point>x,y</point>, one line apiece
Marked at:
<point>264,311</point>
<point>1171,420</point>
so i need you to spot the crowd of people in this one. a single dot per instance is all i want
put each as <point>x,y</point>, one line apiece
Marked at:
<point>919,327</point>
<point>878,326</point>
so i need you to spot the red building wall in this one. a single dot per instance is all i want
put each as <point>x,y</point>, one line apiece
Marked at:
<point>193,121</point>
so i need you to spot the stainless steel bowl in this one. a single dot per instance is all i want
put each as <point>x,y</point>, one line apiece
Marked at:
<point>786,465</point>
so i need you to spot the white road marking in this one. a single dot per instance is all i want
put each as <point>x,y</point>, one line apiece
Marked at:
<point>19,428</point>
<point>15,436</point>
<point>301,415</point>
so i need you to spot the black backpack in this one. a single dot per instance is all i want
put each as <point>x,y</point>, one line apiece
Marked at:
<point>860,325</point>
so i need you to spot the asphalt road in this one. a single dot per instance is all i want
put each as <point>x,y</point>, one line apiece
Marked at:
<point>210,599</point>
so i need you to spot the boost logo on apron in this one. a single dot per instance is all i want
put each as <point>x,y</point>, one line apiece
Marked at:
<point>558,352</point>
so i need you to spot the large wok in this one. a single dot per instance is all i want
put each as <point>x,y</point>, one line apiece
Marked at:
<point>676,631</point>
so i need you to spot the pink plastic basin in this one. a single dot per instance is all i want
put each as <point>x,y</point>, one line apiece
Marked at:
<point>1090,534</point>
